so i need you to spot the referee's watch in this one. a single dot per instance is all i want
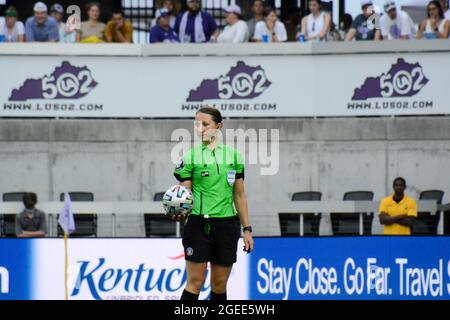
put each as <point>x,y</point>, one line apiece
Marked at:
<point>248,228</point>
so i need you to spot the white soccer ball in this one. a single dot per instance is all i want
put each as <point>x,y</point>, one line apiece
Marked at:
<point>178,200</point>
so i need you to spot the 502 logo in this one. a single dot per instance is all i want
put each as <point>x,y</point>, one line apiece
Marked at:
<point>67,85</point>
<point>242,84</point>
<point>402,82</point>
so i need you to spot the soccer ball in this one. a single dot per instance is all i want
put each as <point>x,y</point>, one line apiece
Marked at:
<point>178,200</point>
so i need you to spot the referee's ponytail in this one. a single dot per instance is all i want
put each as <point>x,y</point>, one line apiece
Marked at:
<point>213,112</point>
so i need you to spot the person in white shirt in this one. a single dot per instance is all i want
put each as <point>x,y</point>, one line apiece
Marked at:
<point>316,25</point>
<point>271,29</point>
<point>396,24</point>
<point>236,30</point>
<point>11,29</point>
<point>436,26</point>
<point>445,7</point>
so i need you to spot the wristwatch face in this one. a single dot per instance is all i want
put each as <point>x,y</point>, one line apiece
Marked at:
<point>249,228</point>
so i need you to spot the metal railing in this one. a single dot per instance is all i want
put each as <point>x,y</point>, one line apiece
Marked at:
<point>124,208</point>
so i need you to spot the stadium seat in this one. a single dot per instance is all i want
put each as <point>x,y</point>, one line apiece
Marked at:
<point>290,222</point>
<point>426,223</point>
<point>447,221</point>
<point>8,221</point>
<point>348,223</point>
<point>159,225</point>
<point>85,224</point>
<point>158,196</point>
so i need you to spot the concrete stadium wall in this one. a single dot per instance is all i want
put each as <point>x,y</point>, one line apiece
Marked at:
<point>122,160</point>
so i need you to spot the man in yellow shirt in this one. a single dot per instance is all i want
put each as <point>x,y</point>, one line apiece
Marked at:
<point>398,211</point>
<point>118,29</point>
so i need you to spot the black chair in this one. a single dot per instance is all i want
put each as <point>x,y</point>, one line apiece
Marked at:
<point>158,225</point>
<point>85,224</point>
<point>290,222</point>
<point>426,223</point>
<point>158,196</point>
<point>13,196</point>
<point>348,223</point>
<point>447,221</point>
<point>8,221</point>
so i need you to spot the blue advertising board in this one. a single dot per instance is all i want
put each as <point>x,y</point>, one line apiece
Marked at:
<point>375,268</point>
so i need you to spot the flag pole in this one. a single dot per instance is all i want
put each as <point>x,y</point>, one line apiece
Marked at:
<point>66,267</point>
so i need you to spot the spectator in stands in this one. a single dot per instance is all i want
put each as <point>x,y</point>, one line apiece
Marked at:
<point>195,25</point>
<point>292,24</point>
<point>12,29</point>
<point>92,30</point>
<point>118,29</point>
<point>236,30</point>
<point>66,35</point>
<point>316,25</point>
<point>41,27</point>
<point>398,211</point>
<point>396,23</point>
<point>167,6</point>
<point>445,8</point>
<point>435,26</point>
<point>345,26</point>
<point>31,222</point>
<point>362,28</point>
<point>258,15</point>
<point>163,32</point>
<point>271,29</point>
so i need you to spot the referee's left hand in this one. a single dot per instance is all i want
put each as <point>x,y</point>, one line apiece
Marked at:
<point>248,242</point>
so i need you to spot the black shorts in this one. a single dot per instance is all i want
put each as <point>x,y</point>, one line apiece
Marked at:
<point>217,246</point>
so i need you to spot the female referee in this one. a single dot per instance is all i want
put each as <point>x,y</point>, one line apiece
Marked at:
<point>215,174</point>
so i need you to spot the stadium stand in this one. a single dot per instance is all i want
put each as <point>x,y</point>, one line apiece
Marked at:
<point>290,222</point>
<point>348,224</point>
<point>86,224</point>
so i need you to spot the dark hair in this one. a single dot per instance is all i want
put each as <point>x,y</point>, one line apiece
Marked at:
<point>117,11</point>
<point>347,20</point>
<point>29,198</point>
<point>213,112</point>
<point>254,1</point>
<point>319,2</point>
<point>92,4</point>
<point>438,5</point>
<point>268,10</point>
<point>399,179</point>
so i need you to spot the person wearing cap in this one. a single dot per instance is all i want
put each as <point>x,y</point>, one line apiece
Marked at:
<point>396,23</point>
<point>118,29</point>
<point>236,30</point>
<point>40,27</point>
<point>163,32</point>
<point>363,28</point>
<point>195,25</point>
<point>92,30</point>
<point>169,6</point>
<point>258,15</point>
<point>271,29</point>
<point>65,34</point>
<point>435,26</point>
<point>12,29</point>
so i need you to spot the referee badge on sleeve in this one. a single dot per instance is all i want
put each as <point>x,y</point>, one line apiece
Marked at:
<point>231,177</point>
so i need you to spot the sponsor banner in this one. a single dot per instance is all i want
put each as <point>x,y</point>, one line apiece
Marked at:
<point>17,274</point>
<point>264,86</point>
<point>122,269</point>
<point>377,268</point>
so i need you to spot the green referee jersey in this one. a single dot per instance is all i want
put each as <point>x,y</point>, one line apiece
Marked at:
<point>213,174</point>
